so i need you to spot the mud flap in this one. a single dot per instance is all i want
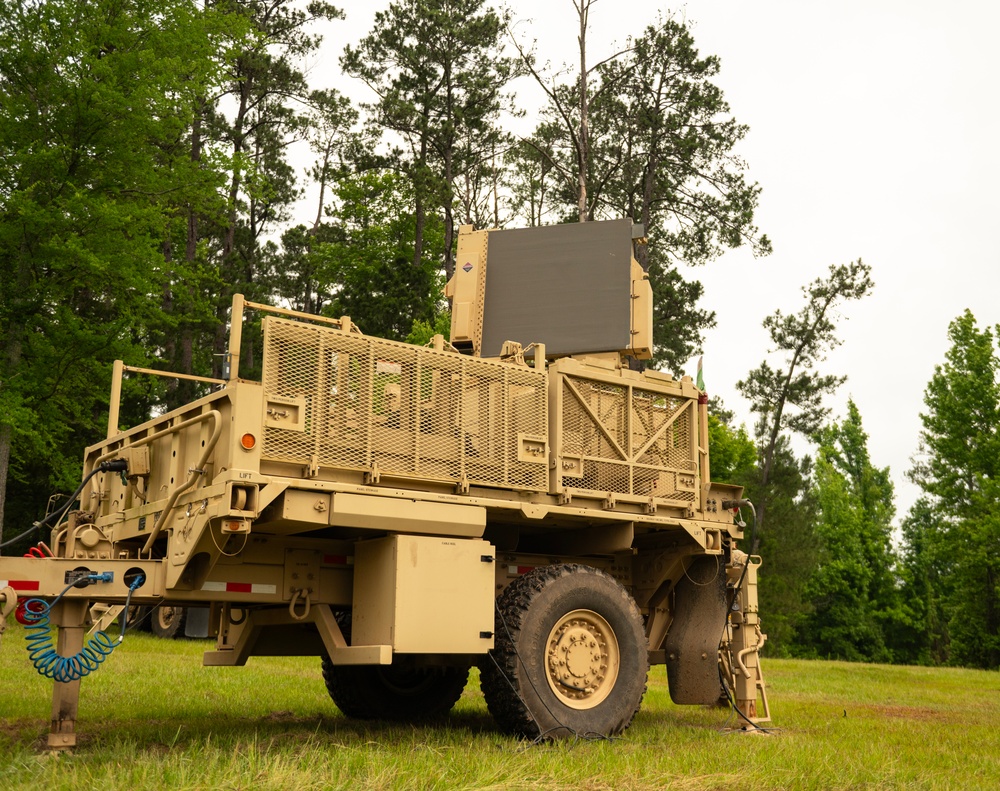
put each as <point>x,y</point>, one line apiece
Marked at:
<point>692,644</point>
<point>196,623</point>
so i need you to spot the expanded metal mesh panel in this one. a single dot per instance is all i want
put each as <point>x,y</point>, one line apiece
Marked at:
<point>358,403</point>
<point>584,400</point>
<point>672,445</point>
<point>621,439</point>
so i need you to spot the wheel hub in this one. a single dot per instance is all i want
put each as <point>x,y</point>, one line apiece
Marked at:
<point>582,659</point>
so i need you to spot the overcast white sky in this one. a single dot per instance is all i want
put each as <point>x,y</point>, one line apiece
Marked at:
<point>874,133</point>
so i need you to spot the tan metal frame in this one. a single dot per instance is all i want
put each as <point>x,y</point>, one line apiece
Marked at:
<point>273,536</point>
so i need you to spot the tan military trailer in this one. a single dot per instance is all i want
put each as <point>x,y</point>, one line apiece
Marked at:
<point>522,499</point>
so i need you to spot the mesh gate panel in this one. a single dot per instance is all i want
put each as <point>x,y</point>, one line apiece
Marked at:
<point>411,411</point>
<point>629,440</point>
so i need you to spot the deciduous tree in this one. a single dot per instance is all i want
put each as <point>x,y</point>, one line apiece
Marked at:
<point>365,264</point>
<point>95,100</point>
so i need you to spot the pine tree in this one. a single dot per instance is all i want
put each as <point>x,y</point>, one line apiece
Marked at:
<point>925,574</point>
<point>790,398</point>
<point>439,76</point>
<point>645,133</point>
<point>853,590</point>
<point>957,467</point>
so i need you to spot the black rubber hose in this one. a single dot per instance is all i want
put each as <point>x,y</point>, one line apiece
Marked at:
<point>112,465</point>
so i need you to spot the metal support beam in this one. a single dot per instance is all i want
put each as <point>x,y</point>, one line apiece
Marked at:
<point>238,642</point>
<point>70,616</point>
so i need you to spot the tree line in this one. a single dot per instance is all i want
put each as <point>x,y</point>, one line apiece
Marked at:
<point>838,581</point>
<point>147,174</point>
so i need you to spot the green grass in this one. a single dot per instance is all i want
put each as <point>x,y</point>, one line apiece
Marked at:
<point>152,717</point>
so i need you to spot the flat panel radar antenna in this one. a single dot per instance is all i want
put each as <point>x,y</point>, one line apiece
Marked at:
<point>576,288</point>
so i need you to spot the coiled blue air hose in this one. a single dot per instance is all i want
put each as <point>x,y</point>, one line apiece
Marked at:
<point>42,653</point>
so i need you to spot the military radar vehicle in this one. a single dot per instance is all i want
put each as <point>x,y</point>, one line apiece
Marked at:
<point>523,498</point>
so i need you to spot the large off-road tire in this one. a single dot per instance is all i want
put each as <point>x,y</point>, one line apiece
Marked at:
<point>394,692</point>
<point>167,621</point>
<point>571,655</point>
<point>398,692</point>
<point>138,618</point>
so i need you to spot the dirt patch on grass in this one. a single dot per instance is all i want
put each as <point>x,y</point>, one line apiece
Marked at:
<point>11,730</point>
<point>905,712</point>
<point>284,716</point>
<point>23,731</point>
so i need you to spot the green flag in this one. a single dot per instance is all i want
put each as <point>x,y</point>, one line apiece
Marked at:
<point>700,381</point>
